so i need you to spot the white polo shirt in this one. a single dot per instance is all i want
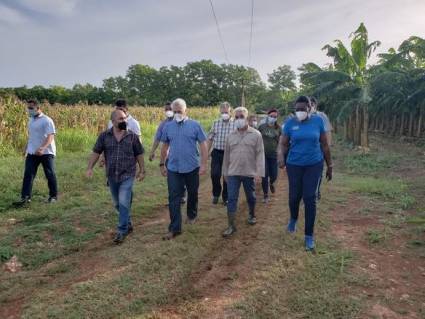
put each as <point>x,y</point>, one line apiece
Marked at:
<point>38,129</point>
<point>132,124</point>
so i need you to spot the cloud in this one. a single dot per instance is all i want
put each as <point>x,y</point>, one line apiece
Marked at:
<point>11,16</point>
<point>51,7</point>
<point>104,37</point>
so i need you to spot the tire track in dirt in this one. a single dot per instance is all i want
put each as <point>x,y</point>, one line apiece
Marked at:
<point>219,279</point>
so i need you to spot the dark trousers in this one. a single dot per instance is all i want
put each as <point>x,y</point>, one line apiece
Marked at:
<point>303,184</point>
<point>234,184</point>
<point>176,185</point>
<point>216,166</point>
<point>271,174</point>
<point>31,166</point>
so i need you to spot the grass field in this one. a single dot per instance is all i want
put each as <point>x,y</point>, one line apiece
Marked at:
<point>369,261</point>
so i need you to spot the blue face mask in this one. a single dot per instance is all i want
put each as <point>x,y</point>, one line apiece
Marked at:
<point>32,113</point>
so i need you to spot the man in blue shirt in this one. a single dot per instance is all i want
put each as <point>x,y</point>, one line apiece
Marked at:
<point>180,139</point>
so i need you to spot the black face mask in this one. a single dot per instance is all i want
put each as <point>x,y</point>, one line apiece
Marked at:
<point>122,126</point>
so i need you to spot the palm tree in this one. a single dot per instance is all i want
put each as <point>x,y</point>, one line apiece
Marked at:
<point>345,84</point>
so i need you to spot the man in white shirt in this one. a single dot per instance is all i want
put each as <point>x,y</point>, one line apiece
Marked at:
<point>133,124</point>
<point>40,149</point>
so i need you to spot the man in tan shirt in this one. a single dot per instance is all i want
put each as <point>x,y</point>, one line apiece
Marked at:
<point>243,163</point>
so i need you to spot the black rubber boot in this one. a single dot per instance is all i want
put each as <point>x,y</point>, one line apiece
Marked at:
<point>231,229</point>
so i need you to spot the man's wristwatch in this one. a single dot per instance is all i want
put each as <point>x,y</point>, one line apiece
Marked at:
<point>161,164</point>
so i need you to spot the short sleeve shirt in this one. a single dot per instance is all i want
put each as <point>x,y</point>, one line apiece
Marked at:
<point>183,139</point>
<point>304,140</point>
<point>219,132</point>
<point>326,122</point>
<point>160,129</point>
<point>120,157</point>
<point>38,129</point>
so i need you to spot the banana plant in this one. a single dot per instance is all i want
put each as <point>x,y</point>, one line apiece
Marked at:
<point>345,85</point>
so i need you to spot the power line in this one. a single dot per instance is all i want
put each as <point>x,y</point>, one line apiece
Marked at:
<point>219,32</point>
<point>250,35</point>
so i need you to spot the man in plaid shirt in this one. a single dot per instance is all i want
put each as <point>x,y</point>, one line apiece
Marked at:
<point>220,129</point>
<point>123,150</point>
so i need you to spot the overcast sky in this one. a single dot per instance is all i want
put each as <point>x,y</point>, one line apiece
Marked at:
<point>63,42</point>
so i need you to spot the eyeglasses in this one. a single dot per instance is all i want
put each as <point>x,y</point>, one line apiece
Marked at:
<point>239,117</point>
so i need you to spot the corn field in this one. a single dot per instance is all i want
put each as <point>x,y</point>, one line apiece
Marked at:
<point>78,125</point>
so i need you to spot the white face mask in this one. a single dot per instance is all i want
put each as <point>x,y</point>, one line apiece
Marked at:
<point>179,117</point>
<point>225,116</point>
<point>254,123</point>
<point>169,113</point>
<point>271,120</point>
<point>301,115</point>
<point>240,123</point>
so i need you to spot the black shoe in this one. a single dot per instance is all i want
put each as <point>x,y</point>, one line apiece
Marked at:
<point>215,200</point>
<point>272,188</point>
<point>130,229</point>
<point>225,202</point>
<point>21,203</point>
<point>119,238</point>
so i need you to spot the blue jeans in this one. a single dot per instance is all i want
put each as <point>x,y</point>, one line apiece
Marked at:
<point>122,195</point>
<point>176,187</point>
<point>271,174</point>
<point>31,166</point>
<point>303,184</point>
<point>233,186</point>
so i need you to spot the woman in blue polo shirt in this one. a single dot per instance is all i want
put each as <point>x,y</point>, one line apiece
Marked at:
<point>302,148</point>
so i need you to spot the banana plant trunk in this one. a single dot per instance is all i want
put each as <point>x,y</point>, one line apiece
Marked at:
<point>411,124</point>
<point>420,120</point>
<point>394,126</point>
<point>358,126</point>
<point>402,124</point>
<point>365,126</point>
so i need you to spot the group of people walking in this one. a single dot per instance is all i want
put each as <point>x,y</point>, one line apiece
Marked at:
<point>242,153</point>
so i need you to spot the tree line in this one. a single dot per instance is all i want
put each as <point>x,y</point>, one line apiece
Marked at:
<point>388,96</point>
<point>201,83</point>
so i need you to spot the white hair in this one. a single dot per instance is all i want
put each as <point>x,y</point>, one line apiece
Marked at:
<point>243,110</point>
<point>179,102</point>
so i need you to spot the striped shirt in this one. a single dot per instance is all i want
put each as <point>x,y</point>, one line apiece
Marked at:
<point>219,132</point>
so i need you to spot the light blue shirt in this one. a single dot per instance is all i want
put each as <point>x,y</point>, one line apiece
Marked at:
<point>183,137</point>
<point>38,129</point>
